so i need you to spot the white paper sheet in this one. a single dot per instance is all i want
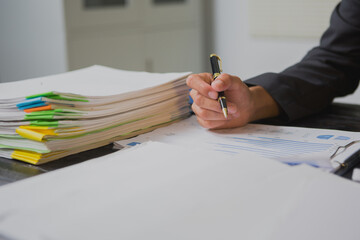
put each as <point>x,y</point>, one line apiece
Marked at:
<point>290,145</point>
<point>86,82</point>
<point>158,191</point>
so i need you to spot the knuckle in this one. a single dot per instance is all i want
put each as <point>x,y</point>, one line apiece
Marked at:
<point>198,82</point>
<point>194,107</point>
<point>204,88</point>
<point>201,112</point>
<point>206,77</point>
<point>190,79</point>
<point>193,94</point>
<point>199,100</point>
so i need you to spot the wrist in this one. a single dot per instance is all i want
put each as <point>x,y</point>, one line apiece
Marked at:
<point>263,105</point>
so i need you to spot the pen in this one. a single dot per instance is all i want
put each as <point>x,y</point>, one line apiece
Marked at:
<point>216,69</point>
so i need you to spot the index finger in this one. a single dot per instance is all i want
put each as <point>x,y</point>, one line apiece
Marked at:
<point>201,83</point>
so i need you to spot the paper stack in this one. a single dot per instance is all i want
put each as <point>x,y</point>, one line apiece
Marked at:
<point>47,118</point>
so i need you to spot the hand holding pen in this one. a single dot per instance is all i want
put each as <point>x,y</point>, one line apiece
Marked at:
<point>244,104</point>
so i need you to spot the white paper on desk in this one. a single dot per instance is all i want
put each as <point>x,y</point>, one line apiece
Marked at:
<point>159,191</point>
<point>291,145</point>
<point>86,82</point>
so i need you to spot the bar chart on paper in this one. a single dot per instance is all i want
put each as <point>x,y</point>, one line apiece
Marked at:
<point>290,145</point>
<point>271,147</point>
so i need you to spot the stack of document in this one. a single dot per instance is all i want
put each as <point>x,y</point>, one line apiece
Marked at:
<point>47,118</point>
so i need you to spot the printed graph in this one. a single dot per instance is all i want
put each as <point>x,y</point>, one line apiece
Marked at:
<point>271,147</point>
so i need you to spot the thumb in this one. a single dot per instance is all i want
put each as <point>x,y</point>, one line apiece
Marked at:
<point>225,82</point>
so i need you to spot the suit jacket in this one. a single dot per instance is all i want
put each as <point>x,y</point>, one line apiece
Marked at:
<point>330,70</point>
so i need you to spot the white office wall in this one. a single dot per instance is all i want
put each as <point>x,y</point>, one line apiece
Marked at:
<point>248,56</point>
<point>32,39</point>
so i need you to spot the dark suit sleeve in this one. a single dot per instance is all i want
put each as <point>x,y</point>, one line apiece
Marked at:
<point>330,70</point>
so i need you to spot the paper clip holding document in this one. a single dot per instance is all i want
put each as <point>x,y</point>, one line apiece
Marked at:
<point>290,145</point>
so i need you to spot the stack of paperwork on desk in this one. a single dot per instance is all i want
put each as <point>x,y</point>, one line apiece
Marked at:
<point>47,118</point>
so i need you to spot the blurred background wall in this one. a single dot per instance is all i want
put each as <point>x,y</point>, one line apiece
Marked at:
<point>42,37</point>
<point>32,39</point>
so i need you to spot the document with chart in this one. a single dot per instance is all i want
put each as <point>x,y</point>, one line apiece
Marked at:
<point>326,149</point>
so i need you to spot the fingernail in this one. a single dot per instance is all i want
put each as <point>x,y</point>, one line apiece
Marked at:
<point>213,95</point>
<point>219,83</point>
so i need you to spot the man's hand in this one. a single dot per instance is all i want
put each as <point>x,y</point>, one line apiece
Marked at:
<point>244,104</point>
